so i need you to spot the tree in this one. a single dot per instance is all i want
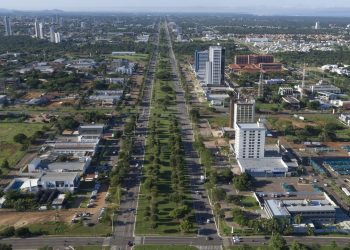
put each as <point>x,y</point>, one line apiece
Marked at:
<point>277,242</point>
<point>310,230</point>
<point>5,246</point>
<point>8,232</point>
<point>238,216</point>
<point>243,182</point>
<point>20,138</point>
<point>195,115</point>
<point>296,246</point>
<point>313,105</point>
<point>185,226</point>
<point>5,164</point>
<point>22,232</point>
<point>179,212</point>
<point>298,219</point>
<point>218,194</point>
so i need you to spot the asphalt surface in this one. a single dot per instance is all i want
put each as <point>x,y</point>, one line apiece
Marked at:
<point>201,203</point>
<point>200,242</point>
<point>124,223</point>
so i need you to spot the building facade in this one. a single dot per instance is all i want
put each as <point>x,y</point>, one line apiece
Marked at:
<point>215,67</point>
<point>253,59</point>
<point>250,141</point>
<point>7,23</point>
<point>201,58</point>
<point>244,112</point>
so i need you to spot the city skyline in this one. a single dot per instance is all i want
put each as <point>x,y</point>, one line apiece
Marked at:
<point>268,7</point>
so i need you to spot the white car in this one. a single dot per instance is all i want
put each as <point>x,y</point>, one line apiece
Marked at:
<point>236,239</point>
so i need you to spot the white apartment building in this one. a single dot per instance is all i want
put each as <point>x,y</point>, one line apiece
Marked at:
<point>250,141</point>
<point>41,32</point>
<point>52,34</point>
<point>57,37</point>
<point>244,112</point>
<point>214,66</point>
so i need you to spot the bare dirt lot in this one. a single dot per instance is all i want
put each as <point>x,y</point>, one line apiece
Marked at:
<point>19,219</point>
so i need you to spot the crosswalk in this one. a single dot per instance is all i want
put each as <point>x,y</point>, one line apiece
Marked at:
<point>106,242</point>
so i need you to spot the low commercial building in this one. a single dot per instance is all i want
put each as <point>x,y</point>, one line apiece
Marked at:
<point>44,165</point>
<point>106,97</point>
<point>285,91</point>
<point>264,167</point>
<point>322,211</point>
<point>274,81</point>
<point>82,64</point>
<point>324,86</point>
<point>91,129</point>
<point>68,181</point>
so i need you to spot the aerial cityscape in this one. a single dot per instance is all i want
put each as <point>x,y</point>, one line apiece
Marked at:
<point>175,126</point>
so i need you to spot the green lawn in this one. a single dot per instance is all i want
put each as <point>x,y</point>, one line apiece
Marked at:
<point>162,116</point>
<point>219,121</point>
<point>250,202</point>
<point>166,224</point>
<point>90,248</point>
<point>161,247</point>
<point>135,58</point>
<point>321,118</point>
<point>8,148</point>
<point>59,228</point>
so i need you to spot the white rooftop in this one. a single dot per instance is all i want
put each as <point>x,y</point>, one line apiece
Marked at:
<point>267,164</point>
<point>253,126</point>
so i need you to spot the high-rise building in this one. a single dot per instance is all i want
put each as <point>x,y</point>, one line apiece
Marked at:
<point>41,31</point>
<point>37,29</point>
<point>201,58</point>
<point>57,37</point>
<point>243,112</point>
<point>317,25</point>
<point>250,141</point>
<point>215,67</point>
<point>60,22</point>
<point>8,30</point>
<point>52,34</point>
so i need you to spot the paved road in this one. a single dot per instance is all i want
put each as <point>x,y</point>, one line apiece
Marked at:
<point>124,224</point>
<point>201,204</point>
<point>124,220</point>
<point>200,242</point>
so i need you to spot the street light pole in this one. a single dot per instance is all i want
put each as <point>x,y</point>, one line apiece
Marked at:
<point>112,223</point>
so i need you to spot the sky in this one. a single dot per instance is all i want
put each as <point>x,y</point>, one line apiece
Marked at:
<point>249,6</point>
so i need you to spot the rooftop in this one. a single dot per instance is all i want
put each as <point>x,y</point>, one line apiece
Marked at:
<point>65,176</point>
<point>254,126</point>
<point>288,207</point>
<point>267,164</point>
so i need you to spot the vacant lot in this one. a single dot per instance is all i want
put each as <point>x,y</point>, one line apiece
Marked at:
<point>8,148</point>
